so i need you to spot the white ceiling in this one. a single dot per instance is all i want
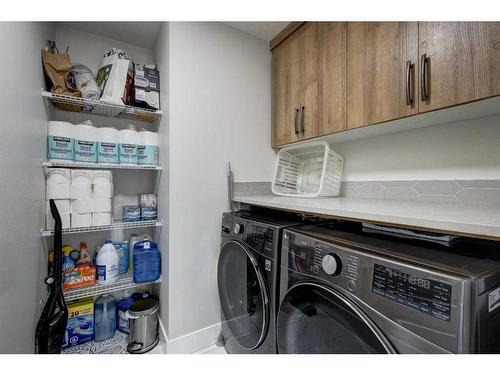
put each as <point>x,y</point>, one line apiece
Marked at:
<point>262,30</point>
<point>142,34</point>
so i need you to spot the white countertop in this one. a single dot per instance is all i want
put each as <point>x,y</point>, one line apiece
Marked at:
<point>453,218</point>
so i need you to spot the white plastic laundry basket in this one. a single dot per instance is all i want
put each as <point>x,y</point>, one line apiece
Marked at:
<point>307,170</point>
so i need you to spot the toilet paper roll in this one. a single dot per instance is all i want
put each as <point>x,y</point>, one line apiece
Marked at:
<point>65,220</point>
<point>57,191</point>
<point>80,176</point>
<point>102,177</point>
<point>81,206</point>
<point>58,176</point>
<point>63,206</point>
<point>103,191</point>
<point>81,191</point>
<point>102,205</point>
<point>101,218</point>
<point>81,220</point>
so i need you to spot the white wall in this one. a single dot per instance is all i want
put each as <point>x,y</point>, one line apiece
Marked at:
<point>219,110</point>
<point>461,150</point>
<point>22,146</point>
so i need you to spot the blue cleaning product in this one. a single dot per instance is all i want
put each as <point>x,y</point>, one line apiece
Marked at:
<point>104,317</point>
<point>68,262</point>
<point>122,249</point>
<point>147,262</point>
<point>121,312</point>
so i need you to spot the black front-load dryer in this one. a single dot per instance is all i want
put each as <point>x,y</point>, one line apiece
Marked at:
<point>247,277</point>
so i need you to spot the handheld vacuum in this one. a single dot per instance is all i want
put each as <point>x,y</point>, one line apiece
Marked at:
<point>51,326</point>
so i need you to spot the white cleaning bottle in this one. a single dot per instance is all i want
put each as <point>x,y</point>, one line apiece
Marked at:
<point>107,263</point>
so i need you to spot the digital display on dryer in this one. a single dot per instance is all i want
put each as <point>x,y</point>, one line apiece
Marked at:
<point>418,293</point>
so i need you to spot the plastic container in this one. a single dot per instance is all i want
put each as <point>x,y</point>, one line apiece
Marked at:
<point>128,146</point>
<point>68,262</point>
<point>107,263</point>
<point>121,312</point>
<point>147,149</point>
<point>122,249</point>
<point>308,170</point>
<point>105,317</point>
<point>85,143</point>
<point>60,141</point>
<point>134,238</point>
<point>147,262</point>
<point>107,146</point>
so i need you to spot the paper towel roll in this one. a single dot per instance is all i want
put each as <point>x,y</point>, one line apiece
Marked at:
<point>103,191</point>
<point>57,191</point>
<point>102,177</point>
<point>65,220</point>
<point>60,141</point>
<point>101,218</point>
<point>81,176</point>
<point>101,205</point>
<point>63,206</point>
<point>81,220</point>
<point>58,176</point>
<point>81,206</point>
<point>81,191</point>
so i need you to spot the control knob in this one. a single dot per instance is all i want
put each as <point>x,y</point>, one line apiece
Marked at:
<point>331,264</point>
<point>238,228</point>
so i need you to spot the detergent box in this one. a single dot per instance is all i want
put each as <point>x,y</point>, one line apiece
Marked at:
<point>80,328</point>
<point>79,277</point>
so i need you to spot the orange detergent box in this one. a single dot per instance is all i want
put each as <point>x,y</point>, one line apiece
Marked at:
<point>79,277</point>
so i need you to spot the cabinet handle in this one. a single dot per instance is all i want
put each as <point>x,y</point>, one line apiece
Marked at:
<point>409,83</point>
<point>424,77</point>
<point>296,121</point>
<point>302,108</point>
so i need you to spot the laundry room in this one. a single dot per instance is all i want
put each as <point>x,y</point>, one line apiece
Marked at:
<point>252,181</point>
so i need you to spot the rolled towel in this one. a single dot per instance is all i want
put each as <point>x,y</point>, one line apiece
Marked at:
<point>85,82</point>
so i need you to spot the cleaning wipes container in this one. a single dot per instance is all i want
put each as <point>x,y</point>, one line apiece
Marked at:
<point>107,263</point>
<point>107,146</point>
<point>128,146</point>
<point>60,141</point>
<point>147,149</point>
<point>85,143</point>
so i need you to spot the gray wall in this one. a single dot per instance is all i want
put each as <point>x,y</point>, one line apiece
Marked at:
<point>22,146</point>
<point>219,109</point>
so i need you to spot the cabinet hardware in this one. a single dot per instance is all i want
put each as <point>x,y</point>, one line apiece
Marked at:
<point>409,82</point>
<point>424,77</point>
<point>296,121</point>
<point>302,108</point>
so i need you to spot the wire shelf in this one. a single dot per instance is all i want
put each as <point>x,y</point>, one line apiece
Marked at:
<point>97,107</point>
<point>124,282</point>
<point>53,164</point>
<point>101,228</point>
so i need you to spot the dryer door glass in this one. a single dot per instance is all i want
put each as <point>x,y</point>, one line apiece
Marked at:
<point>316,319</point>
<point>243,295</point>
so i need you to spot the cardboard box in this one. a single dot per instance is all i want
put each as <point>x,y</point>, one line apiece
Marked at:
<point>80,327</point>
<point>146,90</point>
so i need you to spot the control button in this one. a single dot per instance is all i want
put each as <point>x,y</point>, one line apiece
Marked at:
<point>351,285</point>
<point>315,269</point>
<point>226,229</point>
<point>331,264</point>
<point>238,228</point>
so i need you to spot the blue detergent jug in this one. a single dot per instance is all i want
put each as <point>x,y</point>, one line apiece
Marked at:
<point>104,317</point>
<point>147,262</point>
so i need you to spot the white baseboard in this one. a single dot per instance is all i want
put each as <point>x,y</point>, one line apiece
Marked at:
<point>194,341</point>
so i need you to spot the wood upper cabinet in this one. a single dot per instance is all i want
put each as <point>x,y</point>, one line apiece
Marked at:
<point>381,66</point>
<point>332,77</point>
<point>295,86</point>
<point>460,62</point>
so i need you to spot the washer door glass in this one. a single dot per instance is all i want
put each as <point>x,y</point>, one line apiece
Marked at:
<point>243,295</point>
<point>316,319</point>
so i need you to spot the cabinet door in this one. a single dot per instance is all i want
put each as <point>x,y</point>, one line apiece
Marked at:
<point>308,36</point>
<point>332,77</point>
<point>286,92</point>
<point>381,65</point>
<point>462,62</point>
